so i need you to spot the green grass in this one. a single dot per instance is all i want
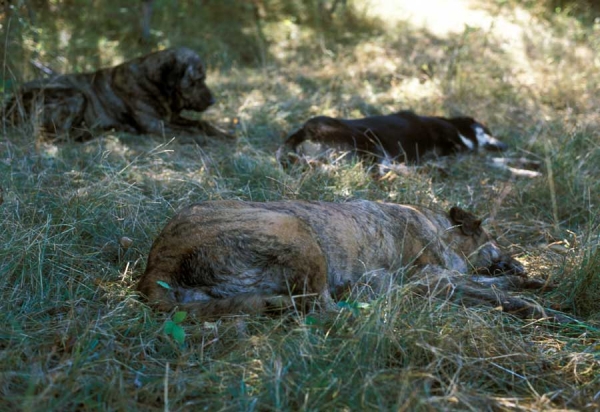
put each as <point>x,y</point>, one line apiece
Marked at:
<point>75,336</point>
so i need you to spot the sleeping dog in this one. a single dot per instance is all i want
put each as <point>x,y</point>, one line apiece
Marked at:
<point>402,137</point>
<point>229,257</point>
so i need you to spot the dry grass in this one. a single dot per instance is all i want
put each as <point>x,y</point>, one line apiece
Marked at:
<point>75,336</point>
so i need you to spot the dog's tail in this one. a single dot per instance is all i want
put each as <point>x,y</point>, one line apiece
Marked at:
<point>250,303</point>
<point>165,298</point>
<point>286,154</point>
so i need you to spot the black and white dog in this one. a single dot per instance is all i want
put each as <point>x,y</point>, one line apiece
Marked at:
<point>402,137</point>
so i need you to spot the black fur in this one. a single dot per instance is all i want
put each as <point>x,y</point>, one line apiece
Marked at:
<point>403,137</point>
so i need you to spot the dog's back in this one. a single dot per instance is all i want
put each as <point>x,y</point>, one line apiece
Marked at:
<point>232,256</point>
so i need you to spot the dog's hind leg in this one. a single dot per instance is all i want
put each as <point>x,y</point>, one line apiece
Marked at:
<point>258,266</point>
<point>60,112</point>
<point>68,117</point>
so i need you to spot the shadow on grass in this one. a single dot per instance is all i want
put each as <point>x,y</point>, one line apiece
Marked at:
<point>81,36</point>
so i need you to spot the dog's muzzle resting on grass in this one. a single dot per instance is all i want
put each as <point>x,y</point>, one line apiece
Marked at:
<point>402,137</point>
<point>142,96</point>
<point>230,257</point>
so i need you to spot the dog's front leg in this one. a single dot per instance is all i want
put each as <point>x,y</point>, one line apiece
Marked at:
<point>436,281</point>
<point>213,131</point>
<point>195,126</point>
<point>511,282</point>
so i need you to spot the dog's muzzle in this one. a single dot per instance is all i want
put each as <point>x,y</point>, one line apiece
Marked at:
<point>505,265</point>
<point>495,145</point>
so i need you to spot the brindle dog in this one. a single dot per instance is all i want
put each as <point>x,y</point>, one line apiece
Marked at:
<point>142,96</point>
<point>229,257</point>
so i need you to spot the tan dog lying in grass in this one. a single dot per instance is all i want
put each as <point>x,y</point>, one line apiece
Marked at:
<point>229,257</point>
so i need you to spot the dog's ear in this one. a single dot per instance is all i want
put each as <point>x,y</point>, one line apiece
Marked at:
<point>193,73</point>
<point>469,223</point>
<point>164,70</point>
<point>187,79</point>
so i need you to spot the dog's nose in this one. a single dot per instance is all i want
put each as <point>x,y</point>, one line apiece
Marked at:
<point>211,101</point>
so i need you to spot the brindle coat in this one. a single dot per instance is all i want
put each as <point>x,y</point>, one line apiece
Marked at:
<point>228,257</point>
<point>142,96</point>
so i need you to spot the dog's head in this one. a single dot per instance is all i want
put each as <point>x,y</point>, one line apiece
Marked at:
<point>475,135</point>
<point>480,249</point>
<point>182,78</point>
